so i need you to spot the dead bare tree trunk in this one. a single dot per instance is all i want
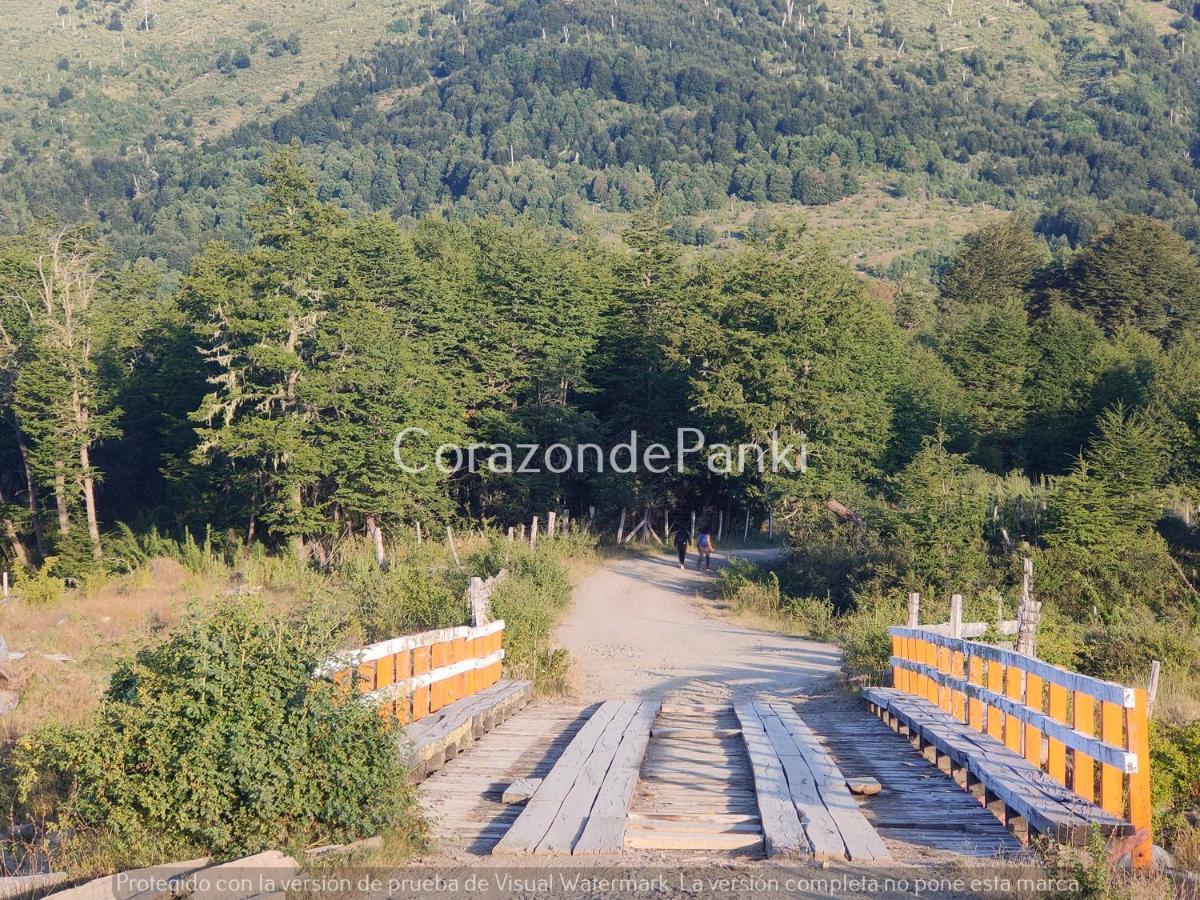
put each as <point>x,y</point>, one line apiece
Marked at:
<point>89,503</point>
<point>20,552</point>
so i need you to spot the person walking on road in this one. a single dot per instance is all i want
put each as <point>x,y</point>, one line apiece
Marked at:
<point>682,538</point>
<point>705,547</point>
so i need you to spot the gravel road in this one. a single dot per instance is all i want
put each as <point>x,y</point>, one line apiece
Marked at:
<point>641,627</point>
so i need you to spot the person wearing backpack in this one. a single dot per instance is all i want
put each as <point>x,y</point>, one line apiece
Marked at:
<point>704,547</point>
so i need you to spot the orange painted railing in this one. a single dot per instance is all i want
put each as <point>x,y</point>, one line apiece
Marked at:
<point>1090,735</point>
<point>417,674</point>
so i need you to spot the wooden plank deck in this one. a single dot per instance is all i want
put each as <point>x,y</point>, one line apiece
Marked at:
<point>462,799</point>
<point>822,786</point>
<point>558,814</point>
<point>920,813</point>
<point>696,790</point>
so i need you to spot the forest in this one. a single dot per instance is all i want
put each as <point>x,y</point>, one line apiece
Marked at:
<point>1037,404</point>
<point>570,115</point>
<point>503,227</point>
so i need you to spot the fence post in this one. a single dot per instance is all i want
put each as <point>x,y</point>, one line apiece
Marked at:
<point>1029,613</point>
<point>1151,689</point>
<point>376,538</point>
<point>746,529</point>
<point>621,527</point>
<point>5,585</point>
<point>418,532</point>
<point>1137,729</point>
<point>453,549</point>
<point>533,532</point>
<point>551,518</point>
<point>720,523</point>
<point>693,524</point>
<point>958,698</point>
<point>914,610</point>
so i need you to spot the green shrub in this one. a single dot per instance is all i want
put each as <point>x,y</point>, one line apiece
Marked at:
<point>217,742</point>
<point>814,616</point>
<point>1175,770</point>
<point>531,600</point>
<point>864,637</point>
<point>43,587</point>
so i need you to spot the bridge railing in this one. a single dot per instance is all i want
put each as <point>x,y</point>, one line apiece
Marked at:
<point>1090,735</point>
<point>417,674</point>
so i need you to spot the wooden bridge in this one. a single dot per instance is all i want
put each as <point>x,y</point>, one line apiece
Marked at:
<point>969,753</point>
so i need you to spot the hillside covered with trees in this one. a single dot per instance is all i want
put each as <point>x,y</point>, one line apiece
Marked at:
<point>511,223</point>
<point>578,115</point>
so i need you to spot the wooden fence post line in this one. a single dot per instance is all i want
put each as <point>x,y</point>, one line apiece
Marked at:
<point>450,539</point>
<point>914,610</point>
<point>418,532</point>
<point>551,518</point>
<point>377,539</point>
<point>1151,689</point>
<point>533,532</point>
<point>621,527</point>
<point>511,531</point>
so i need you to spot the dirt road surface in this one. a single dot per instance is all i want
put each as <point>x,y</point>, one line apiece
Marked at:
<point>641,627</point>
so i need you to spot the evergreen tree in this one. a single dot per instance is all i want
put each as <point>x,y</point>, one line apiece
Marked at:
<point>313,378</point>
<point>1068,352</point>
<point>1138,274</point>
<point>989,352</point>
<point>783,340</point>
<point>996,262</point>
<point>942,503</point>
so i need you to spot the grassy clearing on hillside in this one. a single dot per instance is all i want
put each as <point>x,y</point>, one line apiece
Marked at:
<point>1012,34</point>
<point>878,226</point>
<point>127,84</point>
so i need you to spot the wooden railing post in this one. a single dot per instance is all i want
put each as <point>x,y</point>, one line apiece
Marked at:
<point>1014,690</point>
<point>1112,725</point>
<point>1137,730</point>
<point>957,698</point>
<point>1056,751</point>
<point>1083,779</point>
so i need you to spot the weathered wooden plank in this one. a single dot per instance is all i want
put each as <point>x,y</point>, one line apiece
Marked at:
<point>783,835</point>
<point>686,840</point>
<point>538,815</point>
<point>861,841</point>
<point>459,724</point>
<point>572,816</point>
